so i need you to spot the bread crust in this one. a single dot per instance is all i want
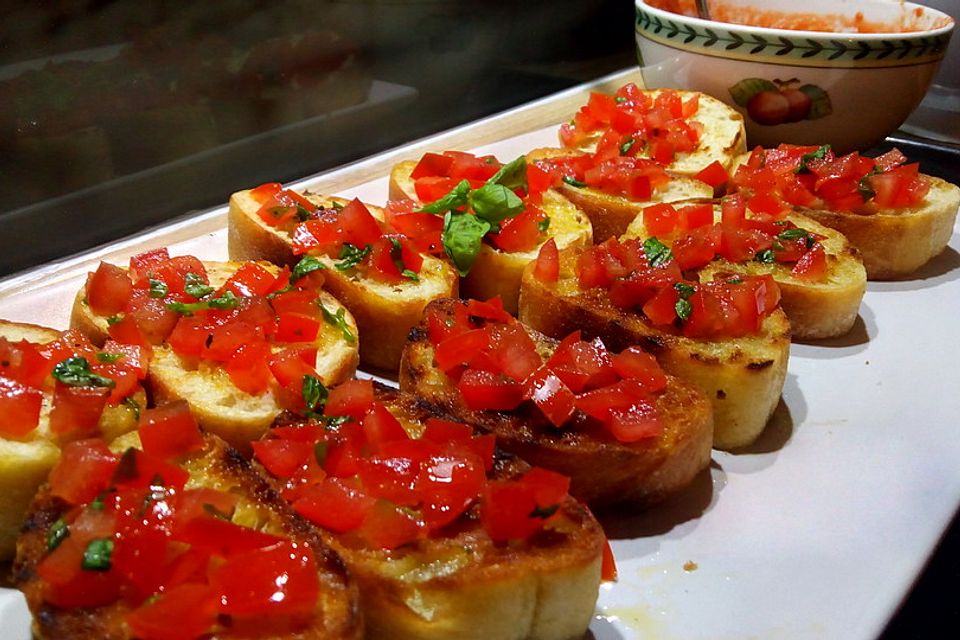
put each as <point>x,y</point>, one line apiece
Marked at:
<point>896,242</point>
<point>218,405</point>
<point>816,309</point>
<point>460,585</point>
<point>603,471</point>
<point>383,313</point>
<point>743,377</point>
<point>495,272</point>
<point>338,616</point>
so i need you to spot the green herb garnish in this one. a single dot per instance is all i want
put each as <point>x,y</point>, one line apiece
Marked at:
<point>112,320</point>
<point>573,182</point>
<point>819,154</point>
<point>308,264</point>
<point>544,224</point>
<point>59,532</point>
<point>455,200</point>
<point>683,308</point>
<point>396,254</point>
<point>108,358</point>
<point>195,286</point>
<point>314,393</point>
<point>133,405</point>
<point>766,256</point>
<point>462,238</point>
<point>657,253</point>
<point>75,372</point>
<point>544,512</point>
<point>351,255</point>
<point>338,320</point>
<point>320,452</point>
<point>227,301</point>
<point>96,557</point>
<point>158,289</point>
<point>626,146</point>
<point>793,234</point>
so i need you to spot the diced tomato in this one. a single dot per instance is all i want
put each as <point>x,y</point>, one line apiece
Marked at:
<point>660,219</point>
<point>137,470</point>
<point>460,349</point>
<point>126,331</point>
<point>636,422</point>
<point>661,308</point>
<point>25,362</point>
<point>68,585</point>
<point>335,505</point>
<point>733,211</point>
<point>281,457</point>
<point>547,266</point>
<point>221,537</point>
<point>142,264</point>
<point>170,430</point>
<point>360,228</point>
<point>251,279</point>
<point>264,192</point>
<point>248,369</point>
<point>391,474</point>
<point>108,290</point>
<point>174,271</point>
<point>380,426</point>
<point>608,566</point>
<point>485,390</point>
<point>76,410</point>
<point>280,579</point>
<point>351,398</point>
<point>387,527</point>
<point>296,327</point>
<point>449,484</point>
<point>512,351</point>
<point>714,174</point>
<point>192,606</point>
<point>554,398</point>
<point>152,317</point>
<point>521,233</point>
<point>813,265</point>
<point>432,164</point>
<point>20,407</point>
<point>292,363</point>
<point>637,364</point>
<point>84,470</point>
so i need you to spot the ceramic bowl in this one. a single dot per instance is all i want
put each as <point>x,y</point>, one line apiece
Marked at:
<point>843,87</point>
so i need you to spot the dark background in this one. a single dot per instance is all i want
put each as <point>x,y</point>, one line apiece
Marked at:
<point>117,115</point>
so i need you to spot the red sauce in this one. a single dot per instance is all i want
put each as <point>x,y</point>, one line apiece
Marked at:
<point>735,14</point>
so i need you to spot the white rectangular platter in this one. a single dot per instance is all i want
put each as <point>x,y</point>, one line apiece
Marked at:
<point>816,531</point>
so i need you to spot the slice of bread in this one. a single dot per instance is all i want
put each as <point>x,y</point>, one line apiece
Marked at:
<point>457,583</point>
<point>743,377</point>
<point>816,308</point>
<point>218,467</point>
<point>896,242</point>
<point>603,471</point>
<point>496,272</point>
<point>610,215</point>
<point>723,137</point>
<point>25,462</point>
<point>219,406</point>
<point>383,312</point>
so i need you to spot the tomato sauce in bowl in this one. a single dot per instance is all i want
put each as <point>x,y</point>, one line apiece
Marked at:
<point>917,19</point>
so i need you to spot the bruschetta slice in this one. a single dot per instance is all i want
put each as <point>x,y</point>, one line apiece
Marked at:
<point>233,339</point>
<point>820,275</point>
<point>623,431</point>
<point>513,200</point>
<point>446,538</point>
<point>898,218</point>
<point>56,387</point>
<point>728,337</point>
<point>171,534</point>
<point>612,189</point>
<point>378,274</point>
<point>684,131</point>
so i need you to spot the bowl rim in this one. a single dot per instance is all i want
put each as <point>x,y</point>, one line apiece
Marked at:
<point>806,34</point>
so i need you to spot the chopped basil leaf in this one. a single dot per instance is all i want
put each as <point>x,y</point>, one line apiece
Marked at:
<point>819,154</point>
<point>512,175</point>
<point>462,237</point>
<point>133,405</point>
<point>195,286</point>
<point>96,557</point>
<point>314,393</point>
<point>544,512</point>
<point>619,99</point>
<point>456,199</point>
<point>793,234</point>
<point>332,422</point>
<point>108,358</point>
<point>683,308</point>
<point>59,532</point>
<point>865,188</point>
<point>75,372</point>
<point>626,146</point>
<point>766,256</point>
<point>302,213</point>
<point>351,255</point>
<point>658,254</point>
<point>308,264</point>
<point>320,452</point>
<point>112,320</point>
<point>495,202</point>
<point>396,254</point>
<point>685,290</point>
<point>735,280</point>
<point>573,182</point>
<point>544,224</point>
<point>338,320</point>
<point>98,503</point>
<point>227,301</point>
<point>158,289</point>
<point>449,322</point>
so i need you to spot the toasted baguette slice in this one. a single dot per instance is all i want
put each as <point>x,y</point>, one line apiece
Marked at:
<point>217,467</point>
<point>384,312</point>
<point>602,470</point>
<point>896,242</point>
<point>723,138</point>
<point>496,272</point>
<point>25,463</point>
<point>816,309</point>
<point>218,405</point>
<point>610,214</point>
<point>742,377</point>
<point>458,584</point>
